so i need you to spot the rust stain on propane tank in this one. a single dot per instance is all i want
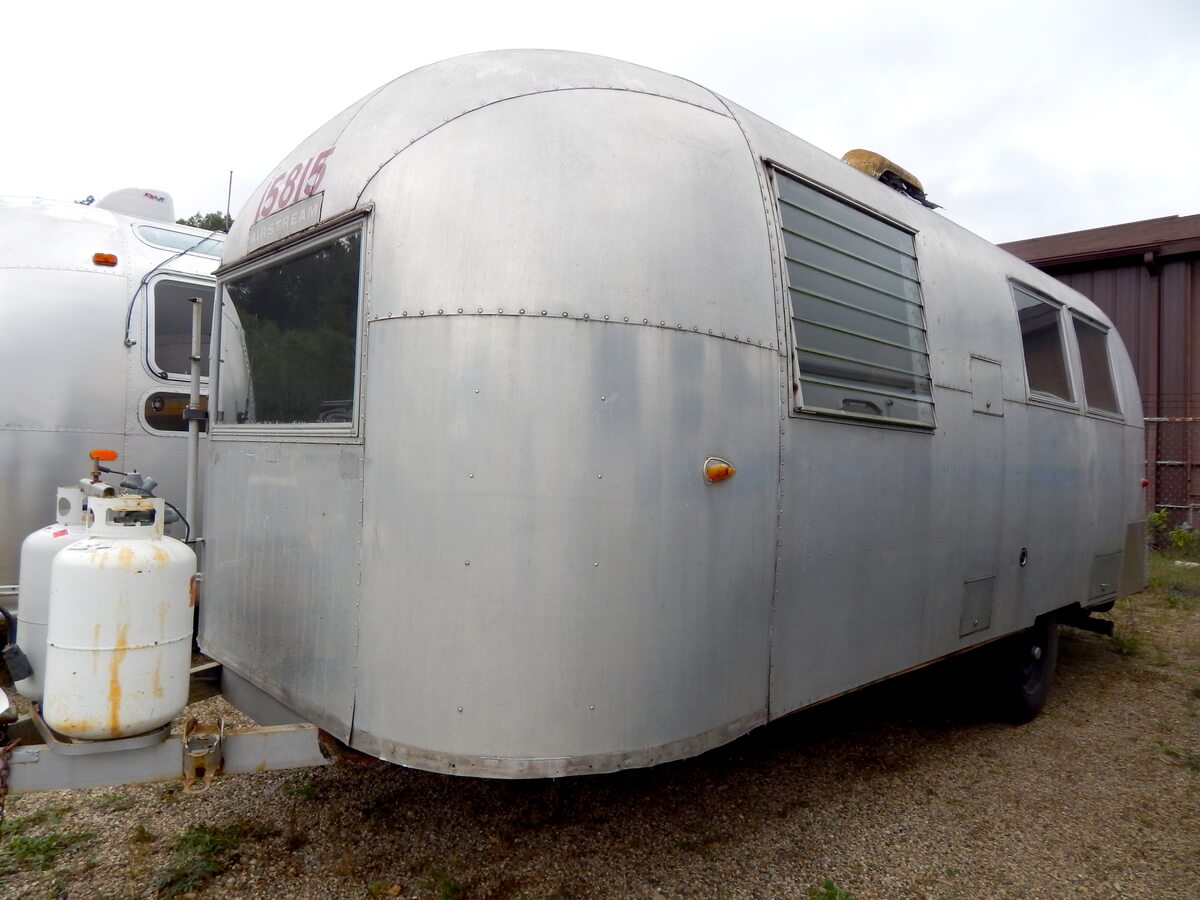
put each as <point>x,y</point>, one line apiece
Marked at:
<point>125,557</point>
<point>160,555</point>
<point>75,727</point>
<point>156,681</point>
<point>114,679</point>
<point>192,591</point>
<point>96,648</point>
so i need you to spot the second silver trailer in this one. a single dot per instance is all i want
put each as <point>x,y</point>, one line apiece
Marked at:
<point>593,421</point>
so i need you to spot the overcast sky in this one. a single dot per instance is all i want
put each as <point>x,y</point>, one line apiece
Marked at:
<point>1021,118</point>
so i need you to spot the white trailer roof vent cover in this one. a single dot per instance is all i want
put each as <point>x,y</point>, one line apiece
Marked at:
<point>144,203</point>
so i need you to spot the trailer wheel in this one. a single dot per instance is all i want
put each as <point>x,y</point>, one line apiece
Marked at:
<point>1026,669</point>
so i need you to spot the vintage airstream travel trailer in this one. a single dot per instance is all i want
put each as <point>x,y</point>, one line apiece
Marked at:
<point>95,334</point>
<point>593,421</point>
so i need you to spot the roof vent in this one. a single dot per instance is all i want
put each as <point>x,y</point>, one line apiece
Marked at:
<point>886,171</point>
<point>141,203</point>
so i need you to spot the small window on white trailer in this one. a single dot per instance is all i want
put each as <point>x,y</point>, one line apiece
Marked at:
<point>1098,390</point>
<point>1041,338</point>
<point>857,314</point>
<point>171,347</point>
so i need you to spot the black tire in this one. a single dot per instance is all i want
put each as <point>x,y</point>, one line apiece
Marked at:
<point>1024,670</point>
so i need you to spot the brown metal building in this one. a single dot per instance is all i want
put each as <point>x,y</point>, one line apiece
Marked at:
<point>1146,278</point>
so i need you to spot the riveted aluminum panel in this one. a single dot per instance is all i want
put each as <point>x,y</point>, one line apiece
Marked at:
<point>597,203</point>
<point>281,578</point>
<point>548,584</point>
<point>373,130</point>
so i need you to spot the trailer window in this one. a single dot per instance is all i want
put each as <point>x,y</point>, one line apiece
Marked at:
<point>171,344</point>
<point>300,320</point>
<point>1041,337</point>
<point>1098,390</point>
<point>165,239</point>
<point>857,311</point>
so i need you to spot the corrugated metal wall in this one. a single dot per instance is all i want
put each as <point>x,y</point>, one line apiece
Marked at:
<point>1154,309</point>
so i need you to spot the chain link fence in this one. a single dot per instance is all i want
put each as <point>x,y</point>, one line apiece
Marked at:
<point>1173,467</point>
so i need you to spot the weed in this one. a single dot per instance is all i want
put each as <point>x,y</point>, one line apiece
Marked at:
<point>1156,527</point>
<point>202,852</point>
<point>40,851</point>
<point>1189,759</point>
<point>1184,539</point>
<point>302,789</point>
<point>1179,600</point>
<point>441,885</point>
<point>828,891</point>
<point>1126,643</point>
<point>115,801</point>
<point>141,835</point>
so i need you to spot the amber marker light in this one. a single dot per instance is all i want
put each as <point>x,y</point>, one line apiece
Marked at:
<point>717,469</point>
<point>103,455</point>
<point>104,259</point>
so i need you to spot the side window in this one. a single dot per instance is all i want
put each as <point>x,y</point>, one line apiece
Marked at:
<point>856,307</point>
<point>1099,392</point>
<point>164,411</point>
<point>299,318</point>
<point>171,341</point>
<point>1041,337</point>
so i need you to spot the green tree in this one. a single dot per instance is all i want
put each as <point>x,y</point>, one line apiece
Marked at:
<point>213,221</point>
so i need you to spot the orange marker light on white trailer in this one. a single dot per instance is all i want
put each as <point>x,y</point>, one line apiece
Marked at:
<point>717,469</point>
<point>104,259</point>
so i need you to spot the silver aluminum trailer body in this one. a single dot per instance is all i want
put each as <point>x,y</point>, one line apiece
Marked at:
<point>75,375</point>
<point>571,285</point>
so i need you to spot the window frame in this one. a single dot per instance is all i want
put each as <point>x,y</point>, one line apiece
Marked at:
<point>796,406</point>
<point>1086,406</point>
<point>1066,346</point>
<point>150,345</point>
<point>305,432</point>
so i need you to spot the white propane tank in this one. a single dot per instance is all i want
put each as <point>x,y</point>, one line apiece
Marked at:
<point>120,634</point>
<point>33,609</point>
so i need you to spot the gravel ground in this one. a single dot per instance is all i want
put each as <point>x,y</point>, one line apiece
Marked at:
<point>902,790</point>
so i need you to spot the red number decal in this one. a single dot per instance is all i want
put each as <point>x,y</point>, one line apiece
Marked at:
<point>301,181</point>
<point>272,193</point>
<point>318,172</point>
<point>300,192</point>
<point>291,186</point>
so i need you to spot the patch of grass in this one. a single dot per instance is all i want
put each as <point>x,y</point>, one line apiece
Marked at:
<point>51,816</point>
<point>441,885</point>
<point>1177,600</point>
<point>1189,759</point>
<point>37,851</point>
<point>115,801</point>
<point>203,852</point>
<point>303,788</point>
<point>141,835</point>
<point>828,891</point>
<point>1126,643</point>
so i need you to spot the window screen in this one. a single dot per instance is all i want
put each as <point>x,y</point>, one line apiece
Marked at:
<point>1045,362</point>
<point>172,347</point>
<point>856,309</point>
<point>1098,388</point>
<point>300,321</point>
